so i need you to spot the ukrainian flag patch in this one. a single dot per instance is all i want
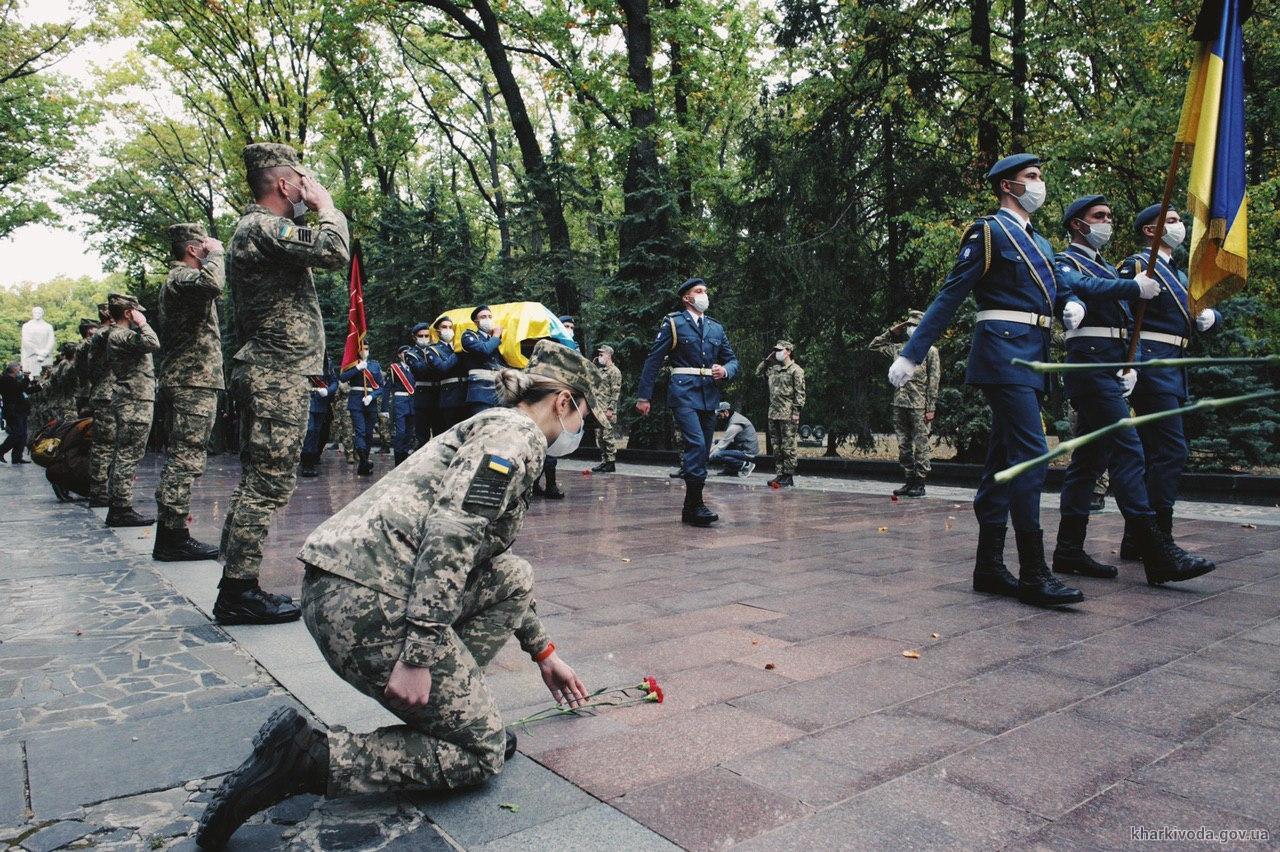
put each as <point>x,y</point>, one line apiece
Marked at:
<point>499,464</point>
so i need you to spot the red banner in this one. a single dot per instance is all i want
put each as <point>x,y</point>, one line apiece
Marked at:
<point>357,327</point>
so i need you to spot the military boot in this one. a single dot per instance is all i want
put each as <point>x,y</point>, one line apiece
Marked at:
<point>1036,584</point>
<point>510,751</point>
<point>244,602</point>
<point>906,486</point>
<point>989,573</point>
<point>366,466</point>
<point>290,757</point>
<point>1162,559</point>
<point>915,488</point>
<point>1129,543</point>
<point>1069,556</point>
<point>126,517</point>
<point>398,458</point>
<point>695,512</point>
<point>98,503</point>
<point>604,467</point>
<point>552,491</point>
<point>178,546</point>
<point>310,464</point>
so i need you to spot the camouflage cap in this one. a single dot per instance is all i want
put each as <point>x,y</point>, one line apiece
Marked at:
<point>559,362</point>
<point>183,233</point>
<point>268,155</point>
<point>67,349</point>
<point>604,347</point>
<point>784,344</point>
<point>916,317</point>
<point>102,307</point>
<point>122,300</point>
<point>86,323</point>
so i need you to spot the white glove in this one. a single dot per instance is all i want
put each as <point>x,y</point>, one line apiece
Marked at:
<point>1148,287</point>
<point>320,391</point>
<point>1128,378</point>
<point>1072,315</point>
<point>360,365</point>
<point>901,371</point>
<point>1205,319</point>
<point>367,399</point>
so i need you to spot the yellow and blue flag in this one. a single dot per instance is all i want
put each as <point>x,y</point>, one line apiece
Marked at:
<point>1213,123</point>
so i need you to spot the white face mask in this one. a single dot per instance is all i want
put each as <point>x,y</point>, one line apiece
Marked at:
<point>781,356</point>
<point>1098,235</point>
<point>423,340</point>
<point>486,324</point>
<point>566,442</point>
<point>911,329</point>
<point>446,335</point>
<point>1174,234</point>
<point>299,206</point>
<point>1033,195</point>
<point>701,301</point>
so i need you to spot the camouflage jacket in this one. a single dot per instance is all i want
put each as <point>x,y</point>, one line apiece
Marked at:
<point>922,390</point>
<point>786,388</point>
<point>80,369</point>
<point>420,532</point>
<point>610,388</point>
<point>189,325</point>
<point>98,366</point>
<point>131,363</point>
<point>277,315</point>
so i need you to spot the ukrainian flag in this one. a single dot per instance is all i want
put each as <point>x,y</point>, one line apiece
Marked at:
<point>1213,123</point>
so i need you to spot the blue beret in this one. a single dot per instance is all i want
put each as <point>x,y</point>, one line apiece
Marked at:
<point>403,349</point>
<point>422,326</point>
<point>478,309</point>
<point>688,285</point>
<point>1075,208</point>
<point>1146,217</point>
<point>1012,164</point>
<point>568,319</point>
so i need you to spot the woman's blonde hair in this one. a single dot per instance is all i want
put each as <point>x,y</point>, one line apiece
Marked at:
<point>517,386</point>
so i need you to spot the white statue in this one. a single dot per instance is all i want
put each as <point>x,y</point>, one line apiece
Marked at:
<point>37,343</point>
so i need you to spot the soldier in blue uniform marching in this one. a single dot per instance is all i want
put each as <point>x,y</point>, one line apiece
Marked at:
<point>700,357</point>
<point>323,390</point>
<point>439,393</point>
<point>482,359</point>
<point>400,405</point>
<point>365,379</point>
<point>1007,265</point>
<point>1166,331</point>
<point>1099,398</point>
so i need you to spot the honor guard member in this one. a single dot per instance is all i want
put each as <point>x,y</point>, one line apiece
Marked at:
<point>190,379</point>
<point>131,341</point>
<point>483,361</point>
<point>324,389</point>
<point>281,335</point>
<point>701,357</point>
<point>401,383</point>
<point>1166,332</point>
<point>610,393</point>
<point>1008,266</point>
<point>365,380</point>
<point>452,408</point>
<point>440,393</point>
<point>410,591</point>
<point>1099,398</point>
<point>786,399</point>
<point>914,406</point>
<point>426,388</point>
<point>104,420</point>
<point>84,381</point>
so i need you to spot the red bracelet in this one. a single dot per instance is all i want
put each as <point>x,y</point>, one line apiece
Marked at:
<point>545,652</point>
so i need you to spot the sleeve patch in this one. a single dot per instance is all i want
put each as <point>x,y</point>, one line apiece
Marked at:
<point>295,234</point>
<point>488,487</point>
<point>966,252</point>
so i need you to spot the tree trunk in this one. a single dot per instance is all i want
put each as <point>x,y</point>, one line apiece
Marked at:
<point>1018,44</point>
<point>980,37</point>
<point>680,103</point>
<point>495,180</point>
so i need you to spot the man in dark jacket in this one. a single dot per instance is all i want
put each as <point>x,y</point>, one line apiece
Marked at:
<point>15,385</point>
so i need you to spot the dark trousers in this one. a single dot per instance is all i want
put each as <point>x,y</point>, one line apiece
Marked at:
<point>732,460</point>
<point>1120,453</point>
<point>1017,435</point>
<point>16,440</point>
<point>404,435</point>
<point>445,419</point>
<point>1165,446</point>
<point>314,440</point>
<point>363,424</point>
<point>474,408</point>
<point>424,417</point>
<point>697,429</point>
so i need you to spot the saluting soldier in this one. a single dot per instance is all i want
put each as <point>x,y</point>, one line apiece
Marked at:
<point>400,403</point>
<point>482,360</point>
<point>84,379</point>
<point>786,399</point>
<point>610,393</point>
<point>1008,267</point>
<point>410,592</point>
<point>131,340</point>
<point>1099,398</point>
<point>281,335</point>
<point>914,406</point>
<point>701,358</point>
<point>190,379</point>
<point>101,383</point>
<point>365,381</point>
<point>1166,332</point>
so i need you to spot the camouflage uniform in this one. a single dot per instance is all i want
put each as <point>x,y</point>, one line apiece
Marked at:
<point>611,392</point>
<point>100,381</point>
<point>786,398</point>
<point>133,402</point>
<point>190,378</point>
<point>343,432</point>
<point>80,368</point>
<point>911,402</point>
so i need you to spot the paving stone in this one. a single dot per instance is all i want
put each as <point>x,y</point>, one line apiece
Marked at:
<point>1168,705</point>
<point>1106,659</point>
<point>998,700</point>
<point>1236,661</point>
<point>424,838</point>
<point>599,827</point>
<point>254,838</point>
<point>13,800</point>
<point>56,836</point>
<point>293,809</point>
<point>798,774</point>
<point>817,657</point>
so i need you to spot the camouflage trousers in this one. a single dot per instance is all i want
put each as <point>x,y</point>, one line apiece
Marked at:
<point>273,412</point>
<point>1103,482</point>
<point>784,437</point>
<point>133,427</point>
<point>457,740</point>
<point>607,441</point>
<point>343,434</point>
<point>914,451</point>
<point>102,449</point>
<point>185,452</point>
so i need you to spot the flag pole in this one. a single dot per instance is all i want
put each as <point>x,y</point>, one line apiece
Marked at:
<point>1170,180</point>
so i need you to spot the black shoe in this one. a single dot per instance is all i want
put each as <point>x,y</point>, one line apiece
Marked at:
<point>98,504</point>
<point>179,546</point>
<point>553,492</point>
<point>21,460</point>
<point>914,489</point>
<point>398,458</point>
<point>786,481</point>
<point>366,466</point>
<point>127,517</point>
<point>309,471</point>
<point>1098,503</point>
<point>1069,556</point>
<point>695,512</point>
<point>511,745</point>
<point>1162,559</point>
<point>989,574</point>
<point>604,467</point>
<point>537,488</point>
<point>1129,548</point>
<point>290,757</point>
<point>1036,584</point>
<point>254,606</point>
<point>679,474</point>
<point>906,486</point>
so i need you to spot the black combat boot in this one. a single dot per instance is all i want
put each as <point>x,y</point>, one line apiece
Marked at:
<point>1036,584</point>
<point>310,465</point>
<point>906,486</point>
<point>244,602</point>
<point>1069,556</point>
<point>95,503</point>
<point>915,488</point>
<point>127,517</point>
<point>989,573</point>
<point>1162,559</point>
<point>695,512</point>
<point>1129,548</point>
<point>552,491</point>
<point>366,466</point>
<point>398,457</point>
<point>178,546</point>
<point>1098,503</point>
<point>290,757</point>
<point>604,467</point>
<point>510,751</point>
<point>676,474</point>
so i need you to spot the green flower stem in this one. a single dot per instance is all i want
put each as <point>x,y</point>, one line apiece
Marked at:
<point>1049,367</point>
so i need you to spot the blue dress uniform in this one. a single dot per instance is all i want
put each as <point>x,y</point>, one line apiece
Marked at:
<point>1007,265</point>
<point>318,413</point>
<point>400,401</point>
<point>483,361</point>
<point>363,417</point>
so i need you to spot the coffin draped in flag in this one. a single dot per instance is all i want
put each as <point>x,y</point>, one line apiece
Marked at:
<point>357,326</point>
<point>1213,123</point>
